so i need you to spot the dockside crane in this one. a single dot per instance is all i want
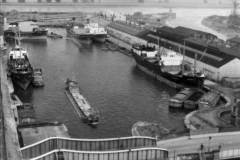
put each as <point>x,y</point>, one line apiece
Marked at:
<point>234,18</point>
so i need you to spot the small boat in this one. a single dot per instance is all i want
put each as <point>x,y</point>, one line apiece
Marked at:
<point>178,100</point>
<point>25,114</point>
<point>90,115</point>
<point>54,35</point>
<point>37,78</point>
<point>192,101</point>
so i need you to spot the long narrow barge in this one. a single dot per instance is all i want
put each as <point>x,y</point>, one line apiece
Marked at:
<point>90,115</point>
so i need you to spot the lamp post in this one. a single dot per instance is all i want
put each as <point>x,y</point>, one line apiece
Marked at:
<point>209,141</point>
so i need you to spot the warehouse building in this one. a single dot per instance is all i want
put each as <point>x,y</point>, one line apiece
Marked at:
<point>201,49</point>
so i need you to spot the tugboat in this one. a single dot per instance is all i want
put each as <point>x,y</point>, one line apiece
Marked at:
<point>19,67</point>
<point>38,78</point>
<point>166,65</point>
<point>88,33</point>
<point>90,115</point>
<point>26,30</point>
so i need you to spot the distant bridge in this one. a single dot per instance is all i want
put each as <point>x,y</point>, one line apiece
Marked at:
<point>96,7</point>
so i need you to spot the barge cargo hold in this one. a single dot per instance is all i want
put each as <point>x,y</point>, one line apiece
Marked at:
<point>90,115</point>
<point>192,102</point>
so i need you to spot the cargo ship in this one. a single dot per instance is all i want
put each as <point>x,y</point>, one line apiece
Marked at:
<point>19,67</point>
<point>25,31</point>
<point>90,115</point>
<point>88,33</point>
<point>166,65</point>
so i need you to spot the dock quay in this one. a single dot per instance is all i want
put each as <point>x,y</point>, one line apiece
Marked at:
<point>208,120</point>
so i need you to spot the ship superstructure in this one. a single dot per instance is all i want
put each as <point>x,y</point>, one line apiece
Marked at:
<point>25,31</point>
<point>88,33</point>
<point>19,67</point>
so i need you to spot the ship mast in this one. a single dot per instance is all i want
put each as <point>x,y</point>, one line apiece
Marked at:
<point>235,6</point>
<point>183,56</point>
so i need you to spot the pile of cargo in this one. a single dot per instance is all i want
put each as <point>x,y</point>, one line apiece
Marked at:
<point>232,82</point>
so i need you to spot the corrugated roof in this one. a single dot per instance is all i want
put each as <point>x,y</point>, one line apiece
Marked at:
<point>235,39</point>
<point>127,28</point>
<point>215,57</point>
<point>192,31</point>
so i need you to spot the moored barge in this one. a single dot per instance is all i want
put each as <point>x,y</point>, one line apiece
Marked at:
<point>192,102</point>
<point>90,115</point>
<point>25,31</point>
<point>177,101</point>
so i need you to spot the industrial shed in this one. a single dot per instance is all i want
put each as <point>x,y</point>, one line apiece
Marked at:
<point>125,32</point>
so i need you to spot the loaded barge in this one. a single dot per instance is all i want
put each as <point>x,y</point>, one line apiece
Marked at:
<point>90,115</point>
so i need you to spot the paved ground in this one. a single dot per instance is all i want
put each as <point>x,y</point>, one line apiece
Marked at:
<point>227,141</point>
<point>11,137</point>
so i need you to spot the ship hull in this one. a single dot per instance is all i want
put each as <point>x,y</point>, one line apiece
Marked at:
<point>22,81</point>
<point>87,38</point>
<point>40,35</point>
<point>87,117</point>
<point>173,80</point>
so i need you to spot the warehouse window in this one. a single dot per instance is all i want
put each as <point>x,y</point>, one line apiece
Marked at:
<point>57,1</point>
<point>39,1</point>
<point>49,1</point>
<point>4,1</point>
<point>21,1</point>
<point>75,1</point>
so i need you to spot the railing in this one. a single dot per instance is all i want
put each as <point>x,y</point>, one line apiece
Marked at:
<point>230,153</point>
<point>57,143</point>
<point>134,154</point>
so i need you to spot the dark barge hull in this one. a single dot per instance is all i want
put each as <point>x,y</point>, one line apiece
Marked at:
<point>80,113</point>
<point>9,35</point>
<point>87,38</point>
<point>173,80</point>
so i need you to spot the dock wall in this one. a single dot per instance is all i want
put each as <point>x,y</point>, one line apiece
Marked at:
<point>10,129</point>
<point>57,143</point>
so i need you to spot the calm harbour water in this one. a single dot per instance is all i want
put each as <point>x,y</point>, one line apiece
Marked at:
<point>110,81</point>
